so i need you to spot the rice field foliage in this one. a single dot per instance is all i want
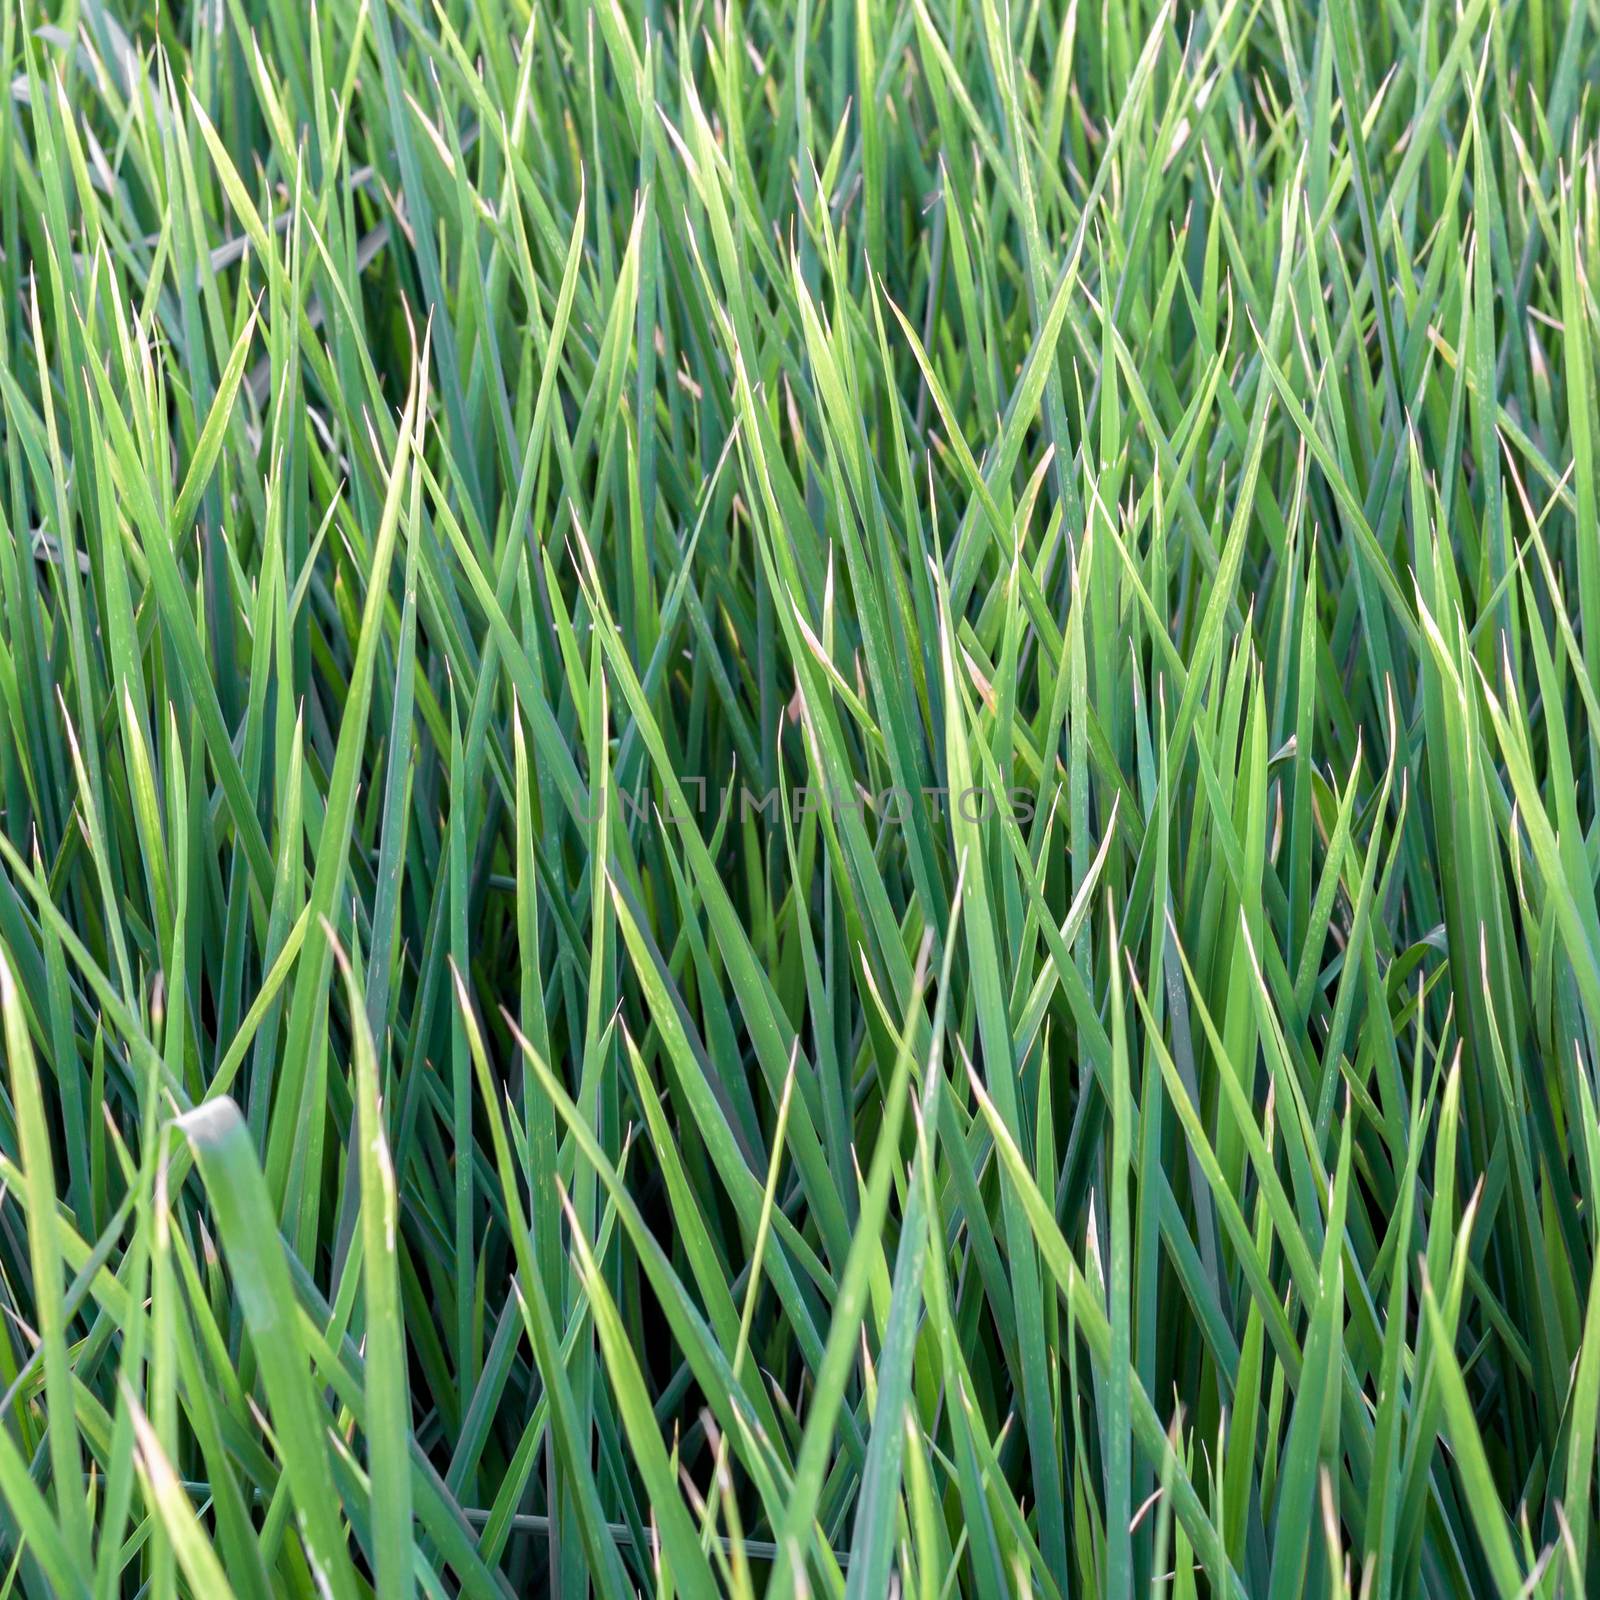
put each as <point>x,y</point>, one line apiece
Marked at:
<point>799,798</point>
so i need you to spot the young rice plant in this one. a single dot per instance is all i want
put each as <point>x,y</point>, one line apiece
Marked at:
<point>799,799</point>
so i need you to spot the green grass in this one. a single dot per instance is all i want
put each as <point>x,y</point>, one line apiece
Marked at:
<point>799,799</point>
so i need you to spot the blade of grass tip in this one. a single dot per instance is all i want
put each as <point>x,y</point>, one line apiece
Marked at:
<point>700,1341</point>
<point>399,122</point>
<point>539,1123</point>
<point>466,1342</point>
<point>1466,1444</point>
<point>1092,1323</point>
<point>250,1240</point>
<point>1347,61</point>
<point>160,542</point>
<point>1000,1072</point>
<point>333,853</point>
<point>171,1501</point>
<point>679,1543</point>
<point>876,1520</point>
<point>795,1533</point>
<point>572,1446</point>
<point>1316,1400</point>
<point>33,1137</point>
<point>388,1400</point>
<point>769,1201</point>
<point>1383,1490</point>
<point>238,1547</point>
<point>1583,1404</point>
<point>1118,1427</point>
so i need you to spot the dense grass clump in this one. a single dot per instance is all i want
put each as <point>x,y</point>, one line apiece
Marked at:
<point>799,798</point>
